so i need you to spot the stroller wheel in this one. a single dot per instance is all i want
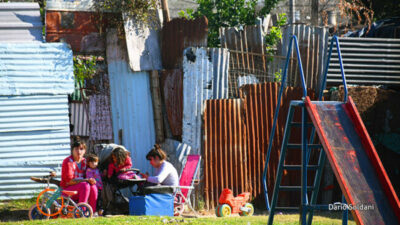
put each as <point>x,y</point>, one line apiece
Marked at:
<point>83,210</point>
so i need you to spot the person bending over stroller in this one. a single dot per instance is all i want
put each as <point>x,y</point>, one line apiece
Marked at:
<point>120,164</point>
<point>165,172</point>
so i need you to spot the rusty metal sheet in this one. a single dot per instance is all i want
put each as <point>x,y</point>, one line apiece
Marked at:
<point>313,43</point>
<point>79,29</point>
<point>172,89</point>
<point>225,154</point>
<point>248,39</point>
<point>179,34</point>
<point>260,102</point>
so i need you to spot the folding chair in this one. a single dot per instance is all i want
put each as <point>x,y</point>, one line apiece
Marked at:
<point>186,184</point>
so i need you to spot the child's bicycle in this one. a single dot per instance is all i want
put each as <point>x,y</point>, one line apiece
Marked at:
<point>56,203</point>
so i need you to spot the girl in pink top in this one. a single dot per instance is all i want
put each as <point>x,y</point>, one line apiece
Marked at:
<point>73,171</point>
<point>120,163</point>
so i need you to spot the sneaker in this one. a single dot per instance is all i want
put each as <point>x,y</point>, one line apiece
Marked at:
<point>95,214</point>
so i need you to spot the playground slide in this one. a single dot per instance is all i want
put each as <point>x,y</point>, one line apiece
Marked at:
<point>354,160</point>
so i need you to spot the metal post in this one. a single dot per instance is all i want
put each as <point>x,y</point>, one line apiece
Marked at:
<point>291,11</point>
<point>304,149</point>
<point>345,215</point>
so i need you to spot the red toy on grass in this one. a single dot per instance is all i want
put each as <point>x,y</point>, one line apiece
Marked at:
<point>229,204</point>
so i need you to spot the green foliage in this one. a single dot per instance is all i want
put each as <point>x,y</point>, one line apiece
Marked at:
<point>189,14</point>
<point>275,34</point>
<point>84,68</point>
<point>229,13</point>
<point>278,76</point>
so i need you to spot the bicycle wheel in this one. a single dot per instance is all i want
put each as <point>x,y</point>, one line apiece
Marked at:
<point>83,210</point>
<point>45,196</point>
<point>35,214</point>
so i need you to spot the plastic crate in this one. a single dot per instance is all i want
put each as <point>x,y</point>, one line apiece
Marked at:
<point>152,205</point>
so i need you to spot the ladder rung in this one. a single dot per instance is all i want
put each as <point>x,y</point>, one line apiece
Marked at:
<point>298,167</point>
<point>287,208</point>
<point>294,188</point>
<point>298,124</point>
<point>298,146</point>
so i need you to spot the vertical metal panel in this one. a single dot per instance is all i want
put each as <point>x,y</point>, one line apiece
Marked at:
<point>131,105</point>
<point>79,118</point>
<point>79,29</point>
<point>100,117</point>
<point>176,152</point>
<point>205,77</point>
<point>225,153</point>
<point>248,39</point>
<point>172,88</point>
<point>143,45</point>
<point>312,45</point>
<point>20,22</point>
<point>36,68</point>
<point>367,61</point>
<point>34,139</point>
<point>179,34</point>
<point>260,102</point>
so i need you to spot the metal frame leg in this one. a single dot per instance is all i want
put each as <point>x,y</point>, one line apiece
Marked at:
<point>304,150</point>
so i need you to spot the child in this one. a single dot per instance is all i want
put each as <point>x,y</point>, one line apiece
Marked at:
<point>120,163</point>
<point>93,172</point>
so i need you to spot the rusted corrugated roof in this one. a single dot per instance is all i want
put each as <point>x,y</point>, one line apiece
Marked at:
<point>172,88</point>
<point>79,29</point>
<point>179,34</point>
<point>225,153</point>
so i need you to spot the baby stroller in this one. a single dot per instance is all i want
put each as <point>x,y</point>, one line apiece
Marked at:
<point>116,192</point>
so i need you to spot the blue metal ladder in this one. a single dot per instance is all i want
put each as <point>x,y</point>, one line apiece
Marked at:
<point>306,145</point>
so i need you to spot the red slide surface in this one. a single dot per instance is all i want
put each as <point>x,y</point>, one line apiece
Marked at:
<point>354,160</point>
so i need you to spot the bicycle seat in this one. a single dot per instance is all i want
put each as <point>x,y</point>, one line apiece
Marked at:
<point>69,193</point>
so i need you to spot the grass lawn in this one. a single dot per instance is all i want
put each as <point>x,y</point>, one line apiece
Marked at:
<point>16,212</point>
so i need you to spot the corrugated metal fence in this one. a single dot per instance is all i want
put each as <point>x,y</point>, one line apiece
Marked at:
<point>225,162</point>
<point>240,128</point>
<point>205,77</point>
<point>367,61</point>
<point>313,42</point>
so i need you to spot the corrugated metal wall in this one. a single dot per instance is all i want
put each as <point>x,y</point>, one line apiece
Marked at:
<point>20,22</point>
<point>236,138</point>
<point>313,42</point>
<point>248,39</point>
<point>225,150</point>
<point>366,61</point>
<point>79,118</point>
<point>179,34</point>
<point>260,103</point>
<point>34,124</point>
<point>172,89</point>
<point>205,77</point>
<point>34,139</point>
<point>36,68</point>
<point>131,105</point>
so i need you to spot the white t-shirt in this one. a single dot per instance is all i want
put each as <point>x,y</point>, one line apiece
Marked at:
<point>166,174</point>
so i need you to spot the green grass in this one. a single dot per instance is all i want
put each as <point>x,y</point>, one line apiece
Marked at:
<point>15,212</point>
